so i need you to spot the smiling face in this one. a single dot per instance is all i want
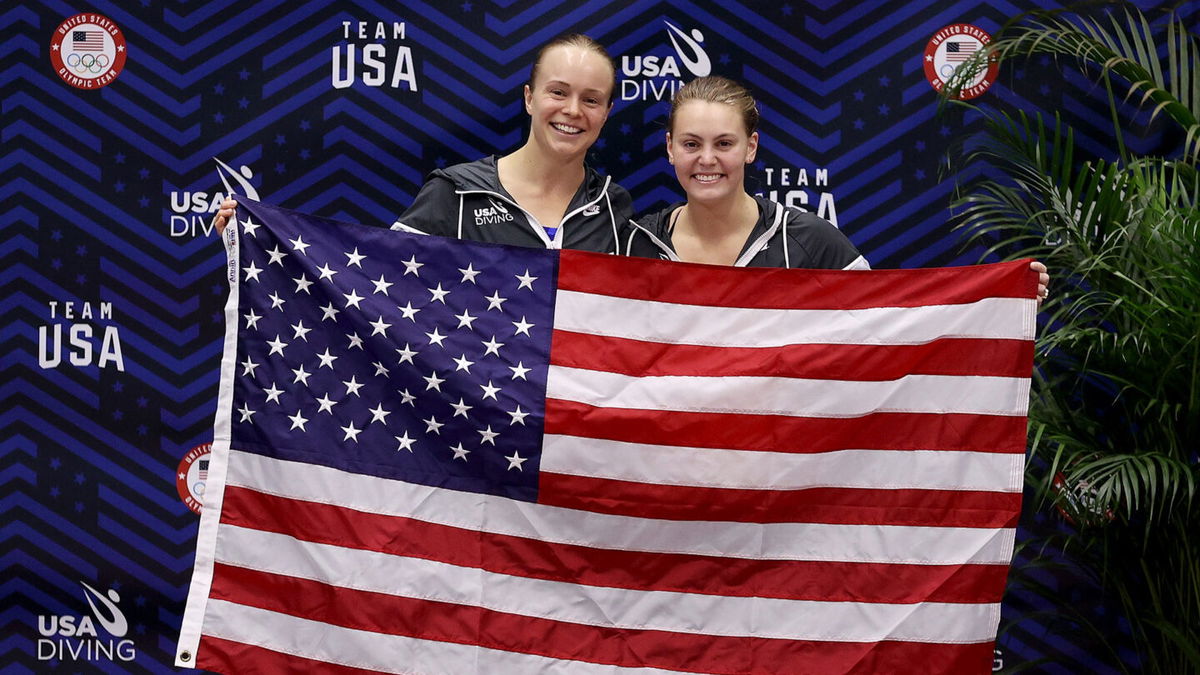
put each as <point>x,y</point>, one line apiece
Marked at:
<point>710,149</point>
<point>569,100</point>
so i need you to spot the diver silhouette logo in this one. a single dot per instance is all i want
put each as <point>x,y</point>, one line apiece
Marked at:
<point>694,57</point>
<point>242,178</point>
<point>111,617</point>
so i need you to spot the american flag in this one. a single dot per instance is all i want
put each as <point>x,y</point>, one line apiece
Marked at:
<point>960,50</point>
<point>87,40</point>
<point>436,456</point>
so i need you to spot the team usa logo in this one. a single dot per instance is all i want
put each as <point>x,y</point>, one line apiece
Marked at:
<point>88,51</point>
<point>952,46</point>
<point>192,476</point>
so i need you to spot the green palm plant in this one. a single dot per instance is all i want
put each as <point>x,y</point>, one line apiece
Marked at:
<point>1115,410</point>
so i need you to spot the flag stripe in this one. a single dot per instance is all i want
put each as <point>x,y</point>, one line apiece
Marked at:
<point>726,468</point>
<point>523,556</point>
<point>395,654</point>
<point>883,431</point>
<point>600,606</point>
<point>950,356</point>
<point>1001,318</point>
<point>421,619</point>
<point>229,656</point>
<point>791,397</point>
<point>779,541</point>
<point>835,506</point>
<point>719,286</point>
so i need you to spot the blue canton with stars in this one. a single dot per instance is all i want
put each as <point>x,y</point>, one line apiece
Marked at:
<point>403,356</point>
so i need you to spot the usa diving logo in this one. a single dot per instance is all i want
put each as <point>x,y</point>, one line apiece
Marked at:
<point>651,77</point>
<point>494,214</point>
<point>191,211</point>
<point>75,638</point>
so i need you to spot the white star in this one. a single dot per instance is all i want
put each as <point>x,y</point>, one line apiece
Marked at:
<point>301,332</point>
<point>277,302</point>
<point>494,301</point>
<point>351,433</point>
<point>465,319</point>
<point>355,259</point>
<point>326,273</point>
<point>380,369</point>
<point>460,452</point>
<point>515,461</point>
<point>460,408</point>
<point>298,420</point>
<point>328,311</point>
<point>250,227</point>
<point>352,298</point>
<point>432,425</point>
<point>405,442</point>
<point>276,346</point>
<point>246,413</point>
<point>302,284</point>
<point>381,285</point>
<point>276,256</point>
<point>519,371</point>
<point>434,381</point>
<point>252,319</point>
<point>249,367</point>
<point>326,404</point>
<point>406,354</point>
<point>526,280</point>
<point>518,417</point>
<point>327,359</point>
<point>469,273</point>
<point>406,397</point>
<point>489,391</point>
<point>463,364</point>
<point>492,347</point>
<point>489,436</point>
<point>298,244</point>
<point>438,294</point>
<point>352,386</point>
<point>522,327</point>
<point>380,327</point>
<point>273,393</point>
<point>252,272</point>
<point>378,414</point>
<point>436,338</point>
<point>409,312</point>
<point>411,266</point>
<point>301,375</point>
<point>355,341</point>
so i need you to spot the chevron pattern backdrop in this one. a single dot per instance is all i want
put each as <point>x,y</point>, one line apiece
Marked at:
<point>113,287</point>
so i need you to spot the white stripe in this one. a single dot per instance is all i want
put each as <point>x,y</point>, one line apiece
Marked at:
<point>752,470</point>
<point>197,599</point>
<point>791,396</point>
<point>740,327</point>
<point>497,515</point>
<point>385,653</point>
<point>670,611</point>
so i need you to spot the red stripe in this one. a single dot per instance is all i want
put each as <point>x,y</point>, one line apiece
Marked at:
<point>446,622</point>
<point>779,433</point>
<point>720,286</point>
<point>524,557</point>
<point>948,356</point>
<point>835,506</point>
<point>227,656</point>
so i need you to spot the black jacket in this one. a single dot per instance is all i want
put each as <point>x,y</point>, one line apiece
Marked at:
<point>466,201</point>
<point>782,237</point>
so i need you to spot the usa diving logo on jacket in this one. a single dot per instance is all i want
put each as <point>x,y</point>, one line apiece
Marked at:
<point>494,214</point>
